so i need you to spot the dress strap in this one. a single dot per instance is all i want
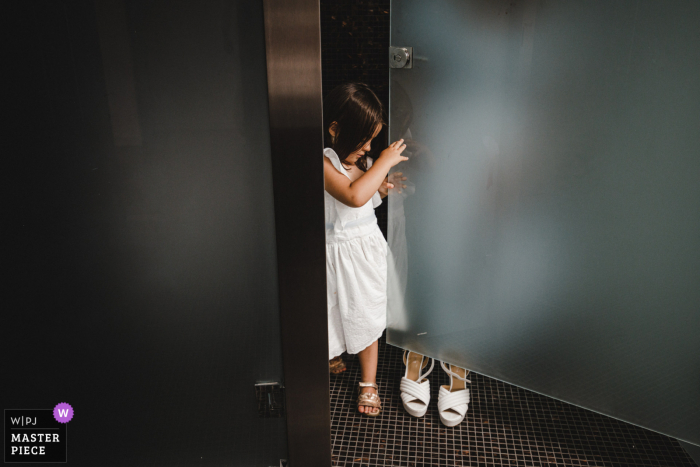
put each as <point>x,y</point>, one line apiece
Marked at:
<point>333,156</point>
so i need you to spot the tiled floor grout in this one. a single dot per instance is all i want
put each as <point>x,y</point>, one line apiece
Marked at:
<point>505,425</point>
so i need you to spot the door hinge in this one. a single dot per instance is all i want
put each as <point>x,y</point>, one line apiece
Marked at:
<point>270,397</point>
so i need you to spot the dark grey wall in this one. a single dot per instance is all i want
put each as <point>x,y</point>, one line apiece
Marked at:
<point>139,241</point>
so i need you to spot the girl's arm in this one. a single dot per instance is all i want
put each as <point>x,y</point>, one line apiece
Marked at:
<point>354,194</point>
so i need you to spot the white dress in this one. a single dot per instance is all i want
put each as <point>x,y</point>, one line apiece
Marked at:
<point>356,270</point>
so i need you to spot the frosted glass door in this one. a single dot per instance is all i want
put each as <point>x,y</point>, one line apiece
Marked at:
<point>549,232</point>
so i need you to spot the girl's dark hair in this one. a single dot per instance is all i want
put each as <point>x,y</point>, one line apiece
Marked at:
<point>357,111</point>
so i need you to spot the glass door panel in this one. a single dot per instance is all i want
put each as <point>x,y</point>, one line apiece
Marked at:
<point>547,235</point>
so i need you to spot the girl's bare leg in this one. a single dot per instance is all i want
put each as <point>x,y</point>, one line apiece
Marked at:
<point>368,364</point>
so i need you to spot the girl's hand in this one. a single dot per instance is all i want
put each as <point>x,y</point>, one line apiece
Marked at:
<point>392,154</point>
<point>395,179</point>
<point>385,187</point>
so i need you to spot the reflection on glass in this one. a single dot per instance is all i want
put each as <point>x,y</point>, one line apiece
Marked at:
<point>397,261</point>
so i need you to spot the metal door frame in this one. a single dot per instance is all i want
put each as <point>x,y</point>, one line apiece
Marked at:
<point>295,99</point>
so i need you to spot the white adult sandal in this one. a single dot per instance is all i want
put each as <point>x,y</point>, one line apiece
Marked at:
<point>415,393</point>
<point>453,401</point>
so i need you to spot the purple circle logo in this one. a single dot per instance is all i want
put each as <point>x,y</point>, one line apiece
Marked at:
<point>63,412</point>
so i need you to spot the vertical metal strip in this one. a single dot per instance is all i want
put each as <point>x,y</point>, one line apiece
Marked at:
<point>293,46</point>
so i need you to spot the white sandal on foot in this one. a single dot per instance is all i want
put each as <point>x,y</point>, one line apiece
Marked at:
<point>453,401</point>
<point>414,393</point>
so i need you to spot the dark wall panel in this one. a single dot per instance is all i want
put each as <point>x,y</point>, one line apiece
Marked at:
<point>139,240</point>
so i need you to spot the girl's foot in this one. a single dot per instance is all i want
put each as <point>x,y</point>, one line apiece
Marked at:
<point>367,408</point>
<point>337,365</point>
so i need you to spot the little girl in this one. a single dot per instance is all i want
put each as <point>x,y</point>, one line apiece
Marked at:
<point>355,247</point>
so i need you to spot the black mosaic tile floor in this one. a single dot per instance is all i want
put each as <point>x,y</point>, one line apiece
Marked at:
<point>505,425</point>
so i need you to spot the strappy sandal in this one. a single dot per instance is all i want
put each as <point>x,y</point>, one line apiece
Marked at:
<point>453,401</point>
<point>368,399</point>
<point>337,365</point>
<point>415,393</point>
